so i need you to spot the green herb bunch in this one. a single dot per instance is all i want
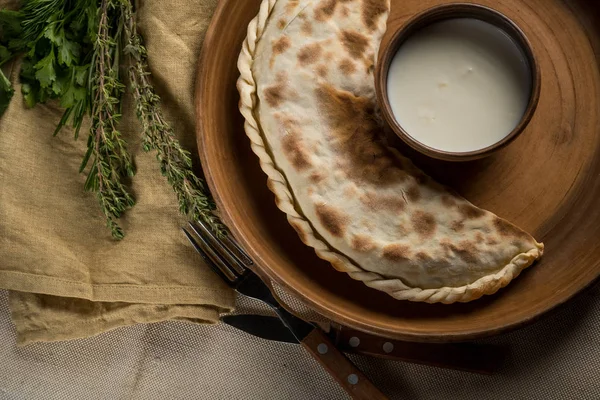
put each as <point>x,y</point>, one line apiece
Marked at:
<point>74,51</point>
<point>10,28</point>
<point>58,39</point>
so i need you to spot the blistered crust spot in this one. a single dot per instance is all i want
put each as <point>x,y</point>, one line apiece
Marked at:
<point>413,193</point>
<point>469,211</point>
<point>296,154</point>
<point>326,8</point>
<point>423,224</point>
<point>333,220</point>
<point>292,144</point>
<point>309,54</point>
<point>465,250</point>
<point>448,201</point>
<point>396,252</point>
<point>316,177</point>
<point>290,7</point>
<point>423,257</point>
<point>274,95</point>
<point>362,243</point>
<point>373,201</point>
<point>347,67</point>
<point>355,43</point>
<point>372,10</point>
<point>322,71</point>
<point>279,92</point>
<point>279,46</point>
<point>306,28</point>
<point>506,229</point>
<point>457,226</point>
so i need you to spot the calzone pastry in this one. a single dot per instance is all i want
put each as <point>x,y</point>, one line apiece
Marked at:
<point>308,97</point>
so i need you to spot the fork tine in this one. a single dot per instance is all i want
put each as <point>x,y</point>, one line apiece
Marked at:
<point>230,245</point>
<point>220,246</point>
<point>244,258</point>
<point>212,259</point>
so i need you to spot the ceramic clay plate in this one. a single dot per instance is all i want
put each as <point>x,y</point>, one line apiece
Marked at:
<point>547,181</point>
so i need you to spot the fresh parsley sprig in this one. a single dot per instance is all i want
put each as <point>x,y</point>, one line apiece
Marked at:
<point>59,37</point>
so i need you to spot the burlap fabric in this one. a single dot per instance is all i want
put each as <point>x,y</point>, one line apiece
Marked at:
<point>68,278</point>
<point>556,358</point>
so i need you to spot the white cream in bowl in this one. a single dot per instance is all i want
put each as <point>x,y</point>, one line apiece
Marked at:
<point>459,85</point>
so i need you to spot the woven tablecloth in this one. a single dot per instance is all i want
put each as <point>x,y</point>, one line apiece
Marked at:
<point>555,358</point>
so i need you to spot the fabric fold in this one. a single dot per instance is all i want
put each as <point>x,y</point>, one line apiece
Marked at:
<point>70,279</point>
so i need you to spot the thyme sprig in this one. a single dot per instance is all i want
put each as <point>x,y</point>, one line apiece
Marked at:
<point>111,161</point>
<point>175,162</point>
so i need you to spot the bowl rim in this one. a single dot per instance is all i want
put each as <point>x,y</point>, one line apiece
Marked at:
<point>446,12</point>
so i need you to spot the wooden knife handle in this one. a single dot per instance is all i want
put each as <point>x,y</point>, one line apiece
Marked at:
<point>345,373</point>
<point>471,357</point>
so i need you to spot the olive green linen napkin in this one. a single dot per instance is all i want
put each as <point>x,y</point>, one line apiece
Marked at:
<point>68,278</point>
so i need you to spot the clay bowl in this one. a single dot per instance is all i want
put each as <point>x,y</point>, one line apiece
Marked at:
<point>546,181</point>
<point>437,14</point>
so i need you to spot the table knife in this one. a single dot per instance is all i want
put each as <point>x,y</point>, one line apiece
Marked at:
<point>470,357</point>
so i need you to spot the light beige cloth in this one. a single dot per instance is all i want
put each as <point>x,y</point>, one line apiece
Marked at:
<point>556,358</point>
<point>68,278</point>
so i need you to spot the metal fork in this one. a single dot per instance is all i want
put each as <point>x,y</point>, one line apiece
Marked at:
<point>231,263</point>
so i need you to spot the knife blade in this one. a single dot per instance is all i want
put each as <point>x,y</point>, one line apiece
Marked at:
<point>264,327</point>
<point>470,357</point>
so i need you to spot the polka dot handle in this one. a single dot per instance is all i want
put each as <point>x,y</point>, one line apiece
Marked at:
<point>345,373</point>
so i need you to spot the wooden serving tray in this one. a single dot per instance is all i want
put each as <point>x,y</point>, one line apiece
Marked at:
<point>547,181</point>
